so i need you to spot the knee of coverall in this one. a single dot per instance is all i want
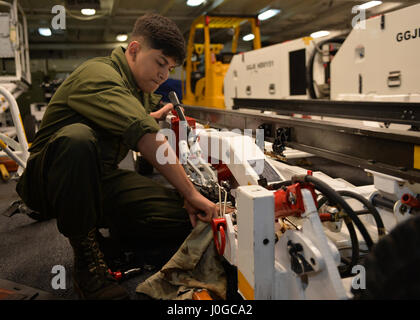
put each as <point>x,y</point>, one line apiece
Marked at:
<point>76,139</point>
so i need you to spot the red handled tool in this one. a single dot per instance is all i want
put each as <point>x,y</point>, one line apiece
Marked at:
<point>219,227</point>
<point>121,275</point>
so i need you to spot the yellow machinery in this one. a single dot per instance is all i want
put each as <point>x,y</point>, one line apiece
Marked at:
<point>207,89</point>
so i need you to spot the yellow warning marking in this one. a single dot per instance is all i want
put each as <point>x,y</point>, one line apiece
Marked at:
<point>244,287</point>
<point>416,157</point>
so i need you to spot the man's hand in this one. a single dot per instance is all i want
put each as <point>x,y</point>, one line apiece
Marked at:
<point>173,171</point>
<point>199,207</point>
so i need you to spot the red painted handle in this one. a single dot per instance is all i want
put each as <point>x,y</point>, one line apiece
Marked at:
<point>219,227</point>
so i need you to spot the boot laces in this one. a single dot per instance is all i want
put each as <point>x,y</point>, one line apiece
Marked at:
<point>93,256</point>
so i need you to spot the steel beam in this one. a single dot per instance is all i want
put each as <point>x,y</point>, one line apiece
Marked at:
<point>390,112</point>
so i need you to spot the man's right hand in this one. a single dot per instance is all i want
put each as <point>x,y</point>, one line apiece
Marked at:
<point>199,207</point>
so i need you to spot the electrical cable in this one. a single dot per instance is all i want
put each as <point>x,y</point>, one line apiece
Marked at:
<point>370,208</point>
<point>345,271</point>
<point>335,197</point>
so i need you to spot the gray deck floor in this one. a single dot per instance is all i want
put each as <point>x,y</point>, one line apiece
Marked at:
<point>30,249</point>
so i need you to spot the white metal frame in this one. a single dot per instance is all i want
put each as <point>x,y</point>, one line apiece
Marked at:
<point>21,153</point>
<point>264,266</point>
<point>11,86</point>
<point>19,39</point>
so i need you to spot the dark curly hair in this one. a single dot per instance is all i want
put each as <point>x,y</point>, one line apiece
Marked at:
<point>160,33</point>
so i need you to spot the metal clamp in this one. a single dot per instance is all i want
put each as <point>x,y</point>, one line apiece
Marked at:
<point>298,262</point>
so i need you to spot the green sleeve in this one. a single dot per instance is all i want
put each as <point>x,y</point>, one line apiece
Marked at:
<point>100,95</point>
<point>155,102</point>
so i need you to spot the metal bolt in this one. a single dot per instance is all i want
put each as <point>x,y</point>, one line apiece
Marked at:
<point>292,198</point>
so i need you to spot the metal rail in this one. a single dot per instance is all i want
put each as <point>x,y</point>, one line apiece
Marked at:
<point>384,150</point>
<point>388,112</point>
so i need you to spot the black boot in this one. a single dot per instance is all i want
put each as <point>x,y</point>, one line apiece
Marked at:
<point>91,278</point>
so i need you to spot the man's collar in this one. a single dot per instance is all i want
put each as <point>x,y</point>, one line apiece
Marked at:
<point>118,55</point>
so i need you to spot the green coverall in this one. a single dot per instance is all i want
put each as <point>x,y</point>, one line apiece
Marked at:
<point>96,116</point>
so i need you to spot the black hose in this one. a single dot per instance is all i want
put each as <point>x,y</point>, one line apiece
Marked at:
<point>335,197</point>
<point>276,186</point>
<point>345,271</point>
<point>383,202</point>
<point>369,206</point>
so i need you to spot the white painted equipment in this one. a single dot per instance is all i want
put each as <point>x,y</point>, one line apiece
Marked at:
<point>240,154</point>
<point>264,265</point>
<point>261,247</point>
<point>379,59</point>
<point>14,44</point>
<point>273,72</point>
<point>296,257</point>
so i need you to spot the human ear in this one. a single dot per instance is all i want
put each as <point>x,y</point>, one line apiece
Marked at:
<point>133,48</point>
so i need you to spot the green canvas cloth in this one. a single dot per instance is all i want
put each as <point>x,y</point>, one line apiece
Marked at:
<point>196,265</point>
